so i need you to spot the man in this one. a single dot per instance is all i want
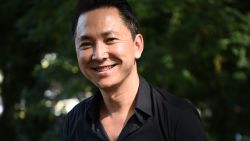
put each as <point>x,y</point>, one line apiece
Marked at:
<point>127,107</point>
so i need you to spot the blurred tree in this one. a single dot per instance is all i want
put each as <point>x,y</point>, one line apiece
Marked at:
<point>29,32</point>
<point>14,65</point>
<point>197,49</point>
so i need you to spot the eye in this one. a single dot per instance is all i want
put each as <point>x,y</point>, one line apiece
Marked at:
<point>86,45</point>
<point>110,40</point>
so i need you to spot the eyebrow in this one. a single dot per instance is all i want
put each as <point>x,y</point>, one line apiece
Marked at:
<point>104,34</point>
<point>85,37</point>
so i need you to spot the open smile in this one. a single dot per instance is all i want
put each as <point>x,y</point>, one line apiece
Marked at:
<point>104,68</point>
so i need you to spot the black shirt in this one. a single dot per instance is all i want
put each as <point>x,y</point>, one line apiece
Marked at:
<point>158,116</point>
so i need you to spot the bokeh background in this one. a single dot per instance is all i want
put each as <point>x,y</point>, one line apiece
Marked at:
<point>196,49</point>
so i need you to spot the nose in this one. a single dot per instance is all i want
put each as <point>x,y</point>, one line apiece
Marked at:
<point>100,52</point>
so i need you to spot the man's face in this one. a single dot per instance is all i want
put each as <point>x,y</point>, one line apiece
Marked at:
<point>105,49</point>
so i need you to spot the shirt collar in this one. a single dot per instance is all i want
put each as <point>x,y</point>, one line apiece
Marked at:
<point>94,106</point>
<point>143,101</point>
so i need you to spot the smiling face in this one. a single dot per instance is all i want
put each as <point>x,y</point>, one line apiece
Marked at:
<point>105,49</point>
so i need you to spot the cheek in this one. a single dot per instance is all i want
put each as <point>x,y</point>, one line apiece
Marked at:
<point>118,50</point>
<point>123,50</point>
<point>83,57</point>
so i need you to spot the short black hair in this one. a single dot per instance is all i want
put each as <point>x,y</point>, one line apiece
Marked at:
<point>123,7</point>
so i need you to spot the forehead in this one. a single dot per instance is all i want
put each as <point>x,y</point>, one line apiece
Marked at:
<point>100,20</point>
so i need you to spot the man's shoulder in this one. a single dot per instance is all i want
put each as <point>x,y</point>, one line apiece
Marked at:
<point>80,108</point>
<point>180,116</point>
<point>172,103</point>
<point>165,99</point>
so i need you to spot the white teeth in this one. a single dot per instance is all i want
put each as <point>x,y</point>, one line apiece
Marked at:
<point>101,69</point>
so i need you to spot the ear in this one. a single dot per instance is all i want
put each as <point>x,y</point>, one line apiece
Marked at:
<point>139,45</point>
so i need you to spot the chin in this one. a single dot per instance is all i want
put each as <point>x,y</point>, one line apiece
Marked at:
<point>103,85</point>
<point>106,84</point>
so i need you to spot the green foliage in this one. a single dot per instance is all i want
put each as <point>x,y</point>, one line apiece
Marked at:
<point>197,49</point>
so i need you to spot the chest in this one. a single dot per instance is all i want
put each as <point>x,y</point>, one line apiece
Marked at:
<point>151,130</point>
<point>112,127</point>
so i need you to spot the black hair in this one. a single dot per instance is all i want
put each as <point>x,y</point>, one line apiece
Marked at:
<point>122,6</point>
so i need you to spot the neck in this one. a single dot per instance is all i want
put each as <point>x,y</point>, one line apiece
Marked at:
<point>122,99</point>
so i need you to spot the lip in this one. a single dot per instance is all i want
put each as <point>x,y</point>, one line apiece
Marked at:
<point>104,68</point>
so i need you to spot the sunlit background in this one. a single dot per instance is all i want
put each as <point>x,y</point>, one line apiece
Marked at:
<point>196,49</point>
